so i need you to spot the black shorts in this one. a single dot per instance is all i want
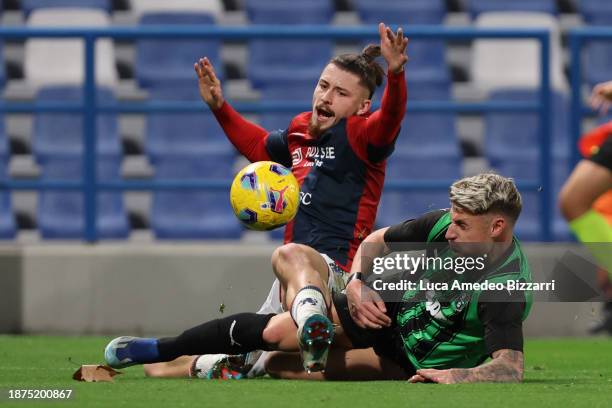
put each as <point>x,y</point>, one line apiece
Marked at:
<point>386,342</point>
<point>604,156</point>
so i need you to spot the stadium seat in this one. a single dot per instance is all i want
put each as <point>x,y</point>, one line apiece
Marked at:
<point>397,206</point>
<point>525,168</point>
<point>515,63</point>
<point>512,148</point>
<point>427,148</point>
<point>517,133</point>
<point>61,214</point>
<point>476,7</point>
<point>194,214</point>
<point>27,6</point>
<point>297,91</point>
<point>179,134</point>
<point>414,12</point>
<point>597,54</point>
<point>2,69</point>
<point>284,61</point>
<point>8,226</point>
<point>62,133</point>
<point>167,60</point>
<point>49,61</point>
<point>427,57</point>
<point>140,7</point>
<point>429,133</point>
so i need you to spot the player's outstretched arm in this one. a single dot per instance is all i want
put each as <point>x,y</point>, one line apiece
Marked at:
<point>210,86</point>
<point>506,366</point>
<point>246,136</point>
<point>382,126</point>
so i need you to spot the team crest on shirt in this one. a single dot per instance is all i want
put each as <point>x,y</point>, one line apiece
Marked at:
<point>296,157</point>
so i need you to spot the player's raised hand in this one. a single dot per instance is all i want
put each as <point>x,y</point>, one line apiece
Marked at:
<point>366,307</point>
<point>393,47</point>
<point>601,97</point>
<point>210,86</point>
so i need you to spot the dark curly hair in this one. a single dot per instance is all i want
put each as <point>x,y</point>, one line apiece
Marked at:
<point>363,65</point>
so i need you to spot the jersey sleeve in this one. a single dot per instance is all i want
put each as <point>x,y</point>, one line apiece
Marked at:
<point>373,138</point>
<point>415,230</point>
<point>501,313</point>
<point>248,138</point>
<point>277,147</point>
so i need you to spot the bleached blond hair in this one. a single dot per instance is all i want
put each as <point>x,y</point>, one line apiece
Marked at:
<point>486,193</point>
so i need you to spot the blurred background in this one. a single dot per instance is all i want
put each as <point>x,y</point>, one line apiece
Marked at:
<point>163,259</point>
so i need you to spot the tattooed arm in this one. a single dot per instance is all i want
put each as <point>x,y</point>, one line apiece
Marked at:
<point>506,366</point>
<point>503,338</point>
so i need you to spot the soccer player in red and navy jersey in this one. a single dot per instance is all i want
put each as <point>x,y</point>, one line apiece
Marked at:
<point>338,153</point>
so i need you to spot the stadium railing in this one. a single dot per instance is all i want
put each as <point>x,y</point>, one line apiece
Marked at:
<point>89,107</point>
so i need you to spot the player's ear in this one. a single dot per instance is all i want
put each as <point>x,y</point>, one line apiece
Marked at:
<point>364,106</point>
<point>498,225</point>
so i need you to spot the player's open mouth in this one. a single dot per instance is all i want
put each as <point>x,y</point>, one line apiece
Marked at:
<point>323,114</point>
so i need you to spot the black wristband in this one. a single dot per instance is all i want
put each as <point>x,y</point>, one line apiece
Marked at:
<point>353,276</point>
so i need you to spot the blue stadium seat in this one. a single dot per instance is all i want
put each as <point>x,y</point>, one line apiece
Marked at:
<point>525,168</point>
<point>283,61</point>
<point>597,63</point>
<point>168,60</point>
<point>427,57</point>
<point>409,13</point>
<point>62,133</point>
<point>61,214</point>
<point>2,70</point>
<point>28,5</point>
<point>517,133</point>
<point>194,214</point>
<point>475,7</point>
<point>297,91</point>
<point>8,226</point>
<point>397,206</point>
<point>429,133</point>
<point>512,147</point>
<point>177,134</point>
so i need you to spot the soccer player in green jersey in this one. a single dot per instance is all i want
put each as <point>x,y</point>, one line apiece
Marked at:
<point>423,339</point>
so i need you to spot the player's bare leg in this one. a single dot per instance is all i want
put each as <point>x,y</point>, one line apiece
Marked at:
<point>297,266</point>
<point>181,367</point>
<point>303,274</point>
<point>587,182</point>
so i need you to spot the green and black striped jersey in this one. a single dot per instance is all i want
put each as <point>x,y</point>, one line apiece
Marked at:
<point>461,329</point>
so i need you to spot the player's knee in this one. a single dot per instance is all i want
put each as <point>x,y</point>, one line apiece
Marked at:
<point>271,336</point>
<point>286,254</point>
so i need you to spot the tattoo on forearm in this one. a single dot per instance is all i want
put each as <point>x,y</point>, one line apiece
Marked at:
<point>506,366</point>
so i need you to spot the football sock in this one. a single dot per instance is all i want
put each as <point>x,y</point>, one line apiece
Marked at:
<point>236,334</point>
<point>308,301</point>
<point>592,227</point>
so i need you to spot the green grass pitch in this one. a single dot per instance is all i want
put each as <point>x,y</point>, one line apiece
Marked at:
<point>558,373</point>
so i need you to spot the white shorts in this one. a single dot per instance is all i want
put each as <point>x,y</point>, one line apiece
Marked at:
<point>336,282</point>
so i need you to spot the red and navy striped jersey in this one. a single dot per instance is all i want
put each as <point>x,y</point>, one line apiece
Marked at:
<point>341,172</point>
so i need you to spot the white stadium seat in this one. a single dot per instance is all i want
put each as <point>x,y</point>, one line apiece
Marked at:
<point>51,61</point>
<point>515,63</point>
<point>140,7</point>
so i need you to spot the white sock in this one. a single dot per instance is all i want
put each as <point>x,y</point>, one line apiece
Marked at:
<point>308,301</point>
